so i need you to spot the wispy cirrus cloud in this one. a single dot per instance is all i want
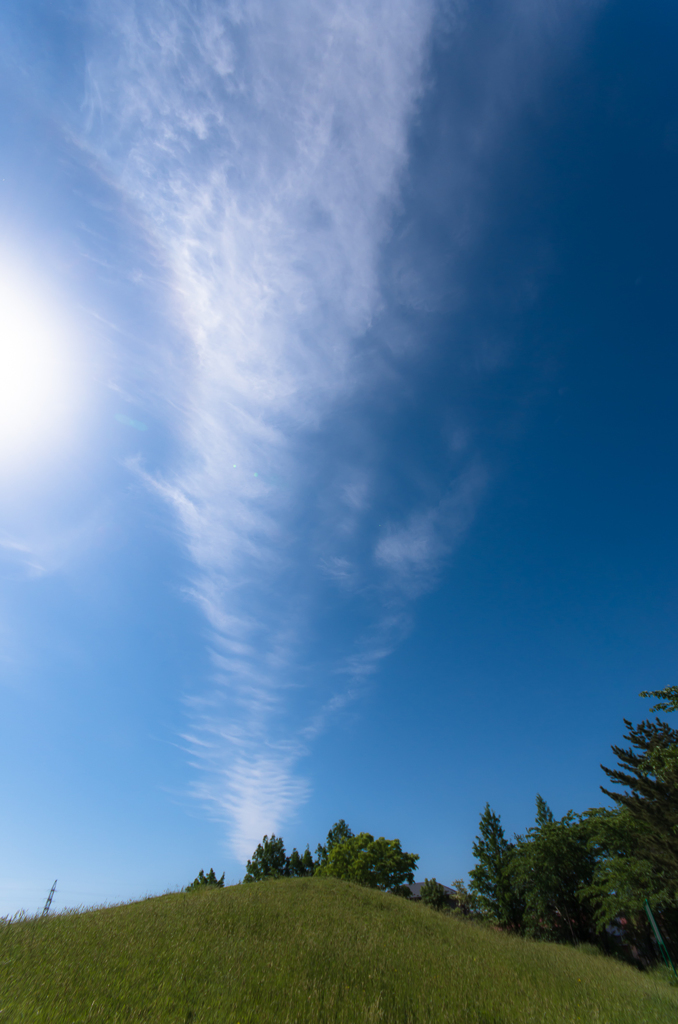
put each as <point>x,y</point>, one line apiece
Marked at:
<point>42,549</point>
<point>413,552</point>
<point>262,146</point>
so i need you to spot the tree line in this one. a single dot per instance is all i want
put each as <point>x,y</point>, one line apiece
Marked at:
<point>568,879</point>
<point>564,879</point>
<point>377,863</point>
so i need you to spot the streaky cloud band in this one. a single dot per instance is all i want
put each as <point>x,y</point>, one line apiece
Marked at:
<point>263,147</point>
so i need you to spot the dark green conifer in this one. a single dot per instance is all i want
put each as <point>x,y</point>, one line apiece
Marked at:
<point>337,834</point>
<point>268,860</point>
<point>203,880</point>
<point>649,770</point>
<point>491,881</point>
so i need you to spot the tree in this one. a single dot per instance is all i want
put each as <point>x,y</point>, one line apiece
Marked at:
<point>552,864</point>
<point>668,698</point>
<point>378,863</point>
<point>491,881</point>
<point>337,834</point>
<point>433,894</point>
<point>203,880</point>
<point>464,900</point>
<point>622,879</point>
<point>299,866</point>
<point>649,770</point>
<point>268,860</point>
<point>544,814</point>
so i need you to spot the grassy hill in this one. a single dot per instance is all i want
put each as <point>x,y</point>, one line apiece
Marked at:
<point>305,950</point>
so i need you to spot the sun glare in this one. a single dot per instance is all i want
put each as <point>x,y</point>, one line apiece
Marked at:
<point>37,375</point>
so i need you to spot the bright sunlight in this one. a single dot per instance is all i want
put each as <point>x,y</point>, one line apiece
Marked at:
<point>37,374</point>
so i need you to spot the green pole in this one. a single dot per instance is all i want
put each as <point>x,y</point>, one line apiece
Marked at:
<point>660,941</point>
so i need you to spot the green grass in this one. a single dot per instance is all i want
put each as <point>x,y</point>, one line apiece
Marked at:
<point>305,950</point>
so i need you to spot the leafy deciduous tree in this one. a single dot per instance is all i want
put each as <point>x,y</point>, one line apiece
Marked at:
<point>464,900</point>
<point>552,864</point>
<point>379,863</point>
<point>621,880</point>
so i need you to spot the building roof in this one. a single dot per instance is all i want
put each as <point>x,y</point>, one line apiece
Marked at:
<point>415,890</point>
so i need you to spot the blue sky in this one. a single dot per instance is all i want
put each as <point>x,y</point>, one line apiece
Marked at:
<point>337,423</point>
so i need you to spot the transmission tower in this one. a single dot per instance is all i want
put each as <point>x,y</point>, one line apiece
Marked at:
<point>48,902</point>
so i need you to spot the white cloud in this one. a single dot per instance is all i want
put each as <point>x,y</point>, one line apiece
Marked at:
<point>48,548</point>
<point>413,553</point>
<point>252,792</point>
<point>341,570</point>
<point>262,146</point>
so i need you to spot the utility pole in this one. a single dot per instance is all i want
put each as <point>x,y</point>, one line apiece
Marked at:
<point>48,902</point>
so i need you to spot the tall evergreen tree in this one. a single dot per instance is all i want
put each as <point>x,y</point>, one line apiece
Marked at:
<point>649,771</point>
<point>544,813</point>
<point>638,841</point>
<point>339,832</point>
<point>668,698</point>
<point>268,860</point>
<point>209,879</point>
<point>294,865</point>
<point>490,880</point>
<point>299,866</point>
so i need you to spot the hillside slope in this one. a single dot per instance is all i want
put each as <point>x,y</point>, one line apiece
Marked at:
<point>305,950</point>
